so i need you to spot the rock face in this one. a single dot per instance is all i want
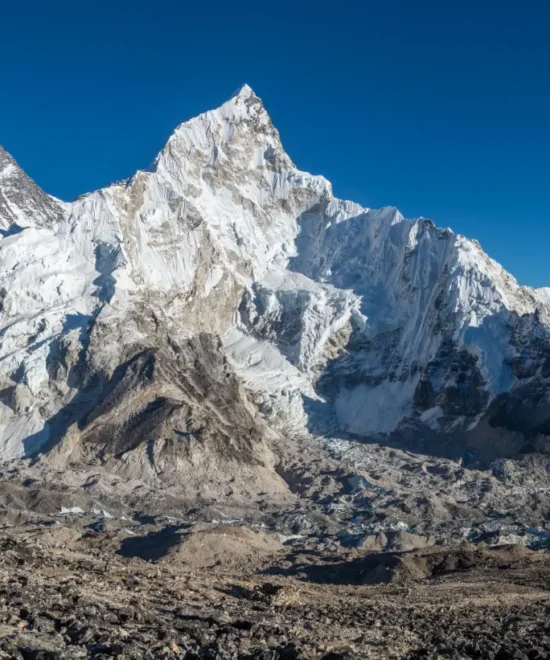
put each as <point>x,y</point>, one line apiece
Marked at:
<point>145,325</point>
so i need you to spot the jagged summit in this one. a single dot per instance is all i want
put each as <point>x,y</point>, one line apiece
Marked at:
<point>241,127</point>
<point>22,202</point>
<point>146,325</point>
<point>244,92</point>
<point>244,106</point>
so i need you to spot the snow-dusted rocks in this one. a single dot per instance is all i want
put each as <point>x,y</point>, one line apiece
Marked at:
<point>125,315</point>
<point>22,202</point>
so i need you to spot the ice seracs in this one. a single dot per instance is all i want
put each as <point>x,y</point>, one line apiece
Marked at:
<point>334,317</point>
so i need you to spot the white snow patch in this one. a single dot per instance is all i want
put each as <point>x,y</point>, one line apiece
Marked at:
<point>432,416</point>
<point>101,513</point>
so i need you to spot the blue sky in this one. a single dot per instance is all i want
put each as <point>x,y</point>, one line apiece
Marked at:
<point>440,108</point>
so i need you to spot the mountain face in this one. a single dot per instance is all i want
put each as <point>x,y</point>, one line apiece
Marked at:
<point>170,324</point>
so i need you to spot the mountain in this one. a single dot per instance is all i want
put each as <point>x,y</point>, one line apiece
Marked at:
<point>168,326</point>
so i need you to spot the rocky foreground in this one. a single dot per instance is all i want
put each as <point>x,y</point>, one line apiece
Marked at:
<point>64,594</point>
<point>377,553</point>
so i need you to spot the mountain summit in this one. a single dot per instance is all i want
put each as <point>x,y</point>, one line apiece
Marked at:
<point>168,325</point>
<point>22,202</point>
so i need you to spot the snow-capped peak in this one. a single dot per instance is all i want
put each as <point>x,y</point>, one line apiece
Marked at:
<point>216,128</point>
<point>381,321</point>
<point>244,92</point>
<point>22,202</point>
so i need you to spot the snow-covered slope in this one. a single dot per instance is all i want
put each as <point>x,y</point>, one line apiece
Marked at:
<point>335,317</point>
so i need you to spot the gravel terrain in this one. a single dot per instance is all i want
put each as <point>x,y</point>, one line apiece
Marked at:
<point>461,602</point>
<point>378,553</point>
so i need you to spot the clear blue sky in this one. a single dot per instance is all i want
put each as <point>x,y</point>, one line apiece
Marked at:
<point>438,107</point>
